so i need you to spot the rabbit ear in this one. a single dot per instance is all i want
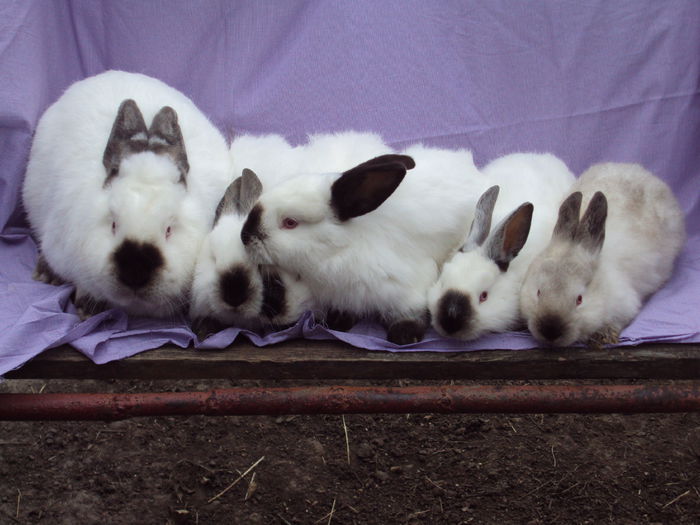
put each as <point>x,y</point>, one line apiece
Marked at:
<point>407,161</point>
<point>510,236</point>
<point>240,196</point>
<point>365,187</point>
<point>251,189</point>
<point>591,230</point>
<point>165,137</point>
<point>567,222</point>
<point>228,202</point>
<point>128,135</point>
<point>481,225</point>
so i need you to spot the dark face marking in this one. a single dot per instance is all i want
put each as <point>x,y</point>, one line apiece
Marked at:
<point>252,227</point>
<point>234,286</point>
<point>454,311</point>
<point>274,294</point>
<point>136,263</point>
<point>551,326</point>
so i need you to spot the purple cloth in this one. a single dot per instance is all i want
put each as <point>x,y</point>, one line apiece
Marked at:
<point>587,81</point>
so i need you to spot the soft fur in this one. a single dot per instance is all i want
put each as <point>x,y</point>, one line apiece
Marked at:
<point>84,200</point>
<point>265,295</point>
<point>473,294</point>
<point>590,281</point>
<point>273,160</point>
<point>383,261</point>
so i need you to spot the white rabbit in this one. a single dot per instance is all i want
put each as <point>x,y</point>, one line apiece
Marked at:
<point>479,288</point>
<point>119,209</point>
<point>590,281</point>
<point>370,241</point>
<point>231,290</point>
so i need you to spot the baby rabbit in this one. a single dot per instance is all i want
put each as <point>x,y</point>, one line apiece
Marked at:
<point>231,290</point>
<point>370,240</point>
<point>479,288</point>
<point>590,281</point>
<point>120,208</point>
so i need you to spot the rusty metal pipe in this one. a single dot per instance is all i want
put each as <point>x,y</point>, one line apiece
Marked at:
<point>349,400</point>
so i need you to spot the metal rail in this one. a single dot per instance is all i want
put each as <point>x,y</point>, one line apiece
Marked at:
<point>347,400</point>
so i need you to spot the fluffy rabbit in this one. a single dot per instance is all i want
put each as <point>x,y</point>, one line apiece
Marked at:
<point>479,288</point>
<point>120,209</point>
<point>231,290</point>
<point>369,241</point>
<point>590,281</point>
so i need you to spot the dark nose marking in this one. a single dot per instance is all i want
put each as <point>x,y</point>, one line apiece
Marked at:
<point>454,311</point>
<point>235,286</point>
<point>252,227</point>
<point>550,326</point>
<point>137,263</point>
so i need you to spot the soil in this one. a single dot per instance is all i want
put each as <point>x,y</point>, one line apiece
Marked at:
<point>408,469</point>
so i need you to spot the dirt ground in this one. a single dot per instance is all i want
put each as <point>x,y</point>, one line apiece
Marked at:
<point>526,469</point>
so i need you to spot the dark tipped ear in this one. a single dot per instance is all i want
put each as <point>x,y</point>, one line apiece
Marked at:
<point>407,161</point>
<point>510,236</point>
<point>251,189</point>
<point>591,230</point>
<point>567,222</point>
<point>228,203</point>
<point>129,134</point>
<point>240,196</point>
<point>481,225</point>
<point>364,188</point>
<point>165,137</point>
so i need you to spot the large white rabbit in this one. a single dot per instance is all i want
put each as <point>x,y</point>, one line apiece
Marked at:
<point>229,288</point>
<point>370,240</point>
<point>119,207</point>
<point>479,288</point>
<point>590,281</point>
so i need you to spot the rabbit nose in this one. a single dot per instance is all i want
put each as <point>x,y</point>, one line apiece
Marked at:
<point>454,311</point>
<point>235,286</point>
<point>251,228</point>
<point>137,263</point>
<point>551,327</point>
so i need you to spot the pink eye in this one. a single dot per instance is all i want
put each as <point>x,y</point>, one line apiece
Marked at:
<point>484,295</point>
<point>579,300</point>
<point>289,224</point>
<point>168,231</point>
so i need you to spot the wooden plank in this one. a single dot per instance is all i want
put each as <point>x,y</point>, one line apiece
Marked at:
<point>321,360</point>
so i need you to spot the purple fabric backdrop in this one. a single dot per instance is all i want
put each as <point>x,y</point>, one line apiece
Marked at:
<point>588,81</point>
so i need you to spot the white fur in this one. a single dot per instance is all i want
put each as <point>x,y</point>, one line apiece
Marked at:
<point>71,212</point>
<point>382,262</point>
<point>273,159</point>
<point>541,179</point>
<point>644,233</point>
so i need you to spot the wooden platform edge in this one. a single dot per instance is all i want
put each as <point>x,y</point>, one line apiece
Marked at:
<point>330,360</point>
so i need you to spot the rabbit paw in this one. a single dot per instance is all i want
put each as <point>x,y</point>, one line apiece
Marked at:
<point>608,335</point>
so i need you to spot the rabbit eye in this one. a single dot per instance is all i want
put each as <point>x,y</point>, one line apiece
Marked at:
<point>483,296</point>
<point>579,300</point>
<point>168,231</point>
<point>289,224</point>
